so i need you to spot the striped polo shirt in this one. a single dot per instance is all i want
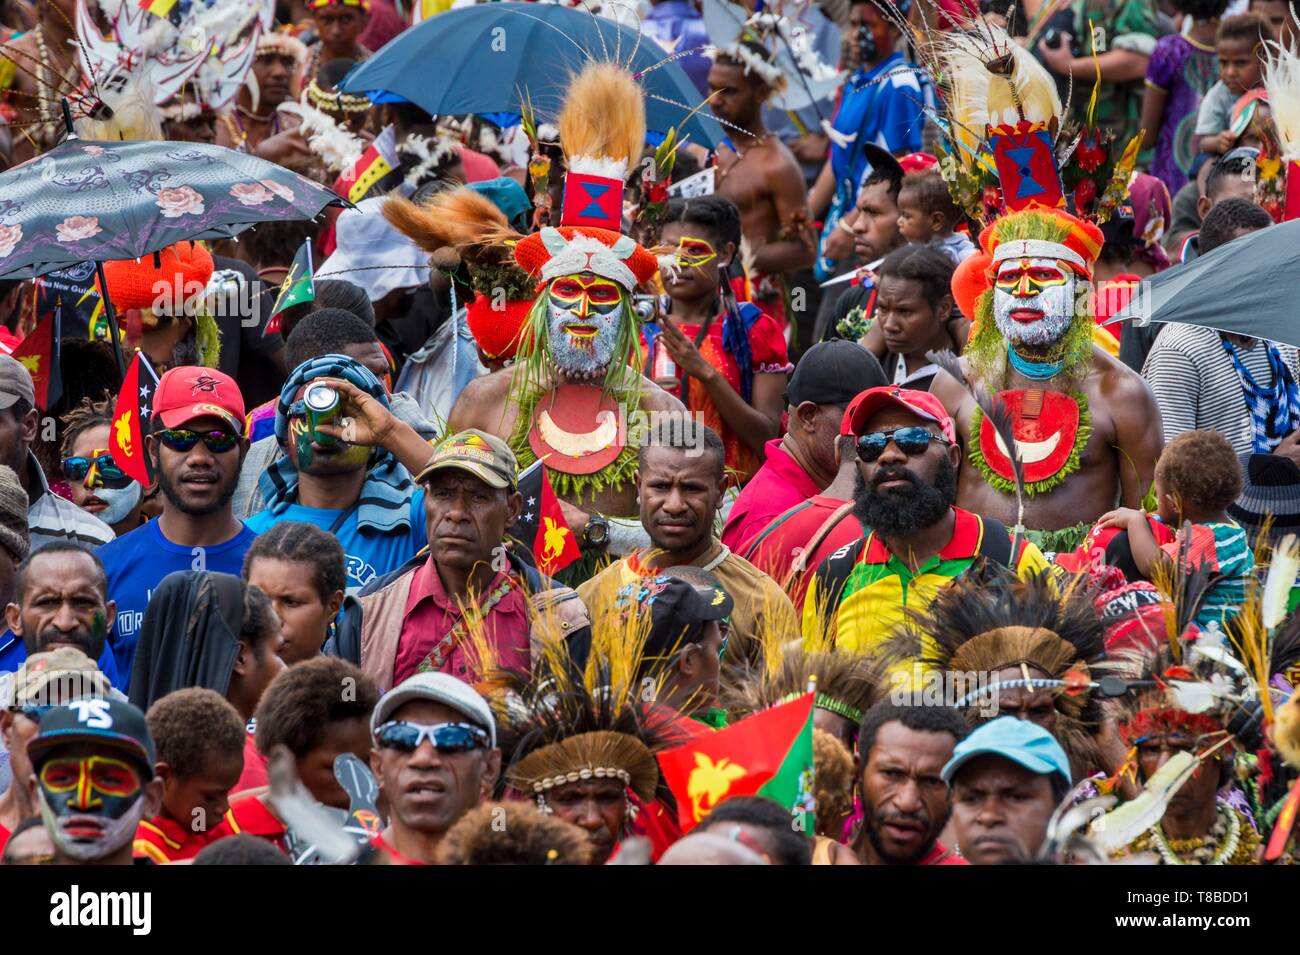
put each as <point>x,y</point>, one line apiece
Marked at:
<point>1224,550</point>
<point>1197,387</point>
<point>881,588</point>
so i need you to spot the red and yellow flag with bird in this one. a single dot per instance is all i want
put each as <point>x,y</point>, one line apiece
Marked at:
<point>131,416</point>
<point>768,754</point>
<point>39,354</point>
<point>541,527</point>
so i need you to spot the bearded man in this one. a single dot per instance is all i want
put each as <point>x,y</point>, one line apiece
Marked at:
<point>573,397</point>
<point>918,543</point>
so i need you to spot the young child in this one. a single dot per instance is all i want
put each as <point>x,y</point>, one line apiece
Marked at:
<point>200,741</point>
<point>1239,46</point>
<point>1197,476</point>
<point>927,213</point>
<point>1182,69</point>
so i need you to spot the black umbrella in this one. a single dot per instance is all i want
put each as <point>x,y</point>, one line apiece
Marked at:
<point>1246,287</point>
<point>103,201</point>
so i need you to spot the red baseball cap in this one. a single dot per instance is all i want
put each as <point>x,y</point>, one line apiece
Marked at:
<point>920,403</point>
<point>918,162</point>
<point>192,391</point>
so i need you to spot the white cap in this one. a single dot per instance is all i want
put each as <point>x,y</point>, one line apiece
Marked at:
<point>383,258</point>
<point>439,688</point>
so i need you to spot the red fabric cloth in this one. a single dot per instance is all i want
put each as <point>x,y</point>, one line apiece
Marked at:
<point>778,485</point>
<point>940,855</point>
<point>249,814</point>
<point>478,167</point>
<point>8,340</point>
<point>394,857</point>
<point>431,613</point>
<point>770,355</point>
<point>384,24</point>
<point>788,534</point>
<point>165,840</point>
<point>254,774</point>
<point>4,836</point>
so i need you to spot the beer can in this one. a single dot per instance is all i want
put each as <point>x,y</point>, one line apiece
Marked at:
<point>322,404</point>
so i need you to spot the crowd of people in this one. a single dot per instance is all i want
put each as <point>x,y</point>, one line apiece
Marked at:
<point>564,469</point>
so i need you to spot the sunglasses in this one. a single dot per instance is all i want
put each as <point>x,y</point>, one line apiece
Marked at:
<point>911,441</point>
<point>183,439</point>
<point>76,469</point>
<point>445,737</point>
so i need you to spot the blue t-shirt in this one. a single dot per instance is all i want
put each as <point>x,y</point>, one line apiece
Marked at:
<point>137,562</point>
<point>368,553</point>
<point>13,653</point>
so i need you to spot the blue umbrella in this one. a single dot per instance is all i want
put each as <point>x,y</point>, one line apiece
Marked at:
<point>493,57</point>
<point>102,201</point>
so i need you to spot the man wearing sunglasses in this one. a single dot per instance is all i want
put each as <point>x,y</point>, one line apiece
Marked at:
<point>435,756</point>
<point>43,681</point>
<point>917,540</point>
<point>197,447</point>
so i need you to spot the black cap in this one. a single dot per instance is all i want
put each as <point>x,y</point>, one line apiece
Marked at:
<point>113,724</point>
<point>834,373</point>
<point>678,609</point>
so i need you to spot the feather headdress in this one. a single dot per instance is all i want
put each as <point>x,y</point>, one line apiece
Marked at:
<point>338,148</point>
<point>991,620</point>
<point>846,684</point>
<point>1007,150</point>
<point>570,719</point>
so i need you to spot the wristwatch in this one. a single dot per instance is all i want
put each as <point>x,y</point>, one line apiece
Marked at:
<point>596,533</point>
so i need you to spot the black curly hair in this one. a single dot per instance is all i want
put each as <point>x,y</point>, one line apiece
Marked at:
<point>189,725</point>
<point>303,701</point>
<point>525,836</point>
<point>1202,470</point>
<point>296,542</point>
<point>715,214</point>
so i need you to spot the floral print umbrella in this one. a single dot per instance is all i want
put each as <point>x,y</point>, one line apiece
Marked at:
<point>103,201</point>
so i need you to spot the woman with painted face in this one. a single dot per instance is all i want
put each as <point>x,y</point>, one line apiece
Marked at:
<point>98,485</point>
<point>726,360</point>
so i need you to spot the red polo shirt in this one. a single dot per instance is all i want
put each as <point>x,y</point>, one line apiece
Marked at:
<point>254,774</point>
<point>777,486</point>
<point>431,614</point>
<point>162,840</point>
<point>249,814</point>
<point>776,547</point>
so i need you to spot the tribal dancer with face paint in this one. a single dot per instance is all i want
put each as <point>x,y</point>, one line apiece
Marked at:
<point>1086,428</point>
<point>575,394</point>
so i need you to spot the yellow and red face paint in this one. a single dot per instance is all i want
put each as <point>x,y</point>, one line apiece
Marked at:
<point>1025,278</point>
<point>693,253</point>
<point>81,785</point>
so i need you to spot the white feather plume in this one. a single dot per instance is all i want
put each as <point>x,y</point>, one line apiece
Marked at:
<point>1285,562</point>
<point>1119,827</point>
<point>337,147</point>
<point>1282,81</point>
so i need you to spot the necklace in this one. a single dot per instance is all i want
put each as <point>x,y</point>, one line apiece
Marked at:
<point>1227,820</point>
<point>740,156</point>
<point>1034,370</point>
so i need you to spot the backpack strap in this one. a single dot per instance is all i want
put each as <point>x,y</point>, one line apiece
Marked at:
<point>800,564</point>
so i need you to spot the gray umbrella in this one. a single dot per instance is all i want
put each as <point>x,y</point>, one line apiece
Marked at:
<point>102,201</point>
<point>1250,286</point>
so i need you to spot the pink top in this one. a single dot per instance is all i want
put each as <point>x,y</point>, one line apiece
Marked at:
<point>777,486</point>
<point>431,614</point>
